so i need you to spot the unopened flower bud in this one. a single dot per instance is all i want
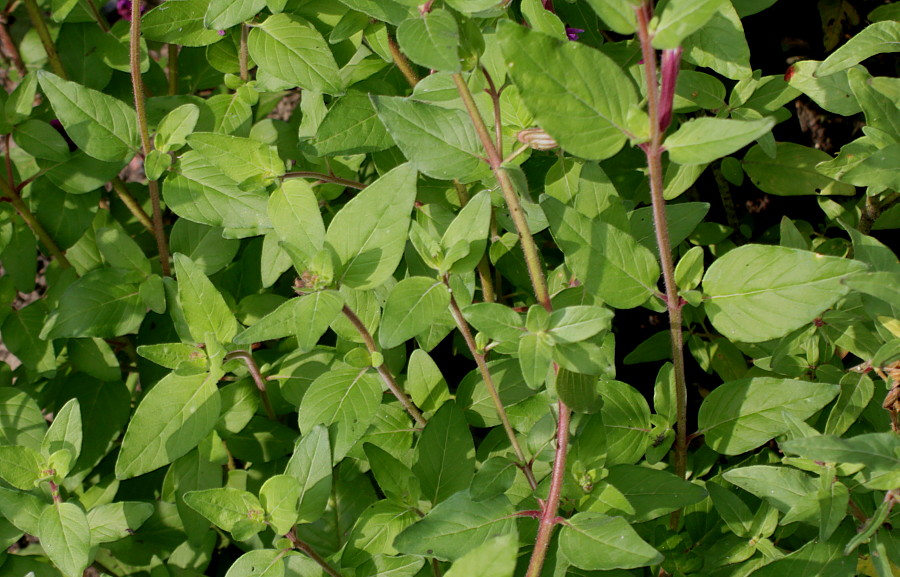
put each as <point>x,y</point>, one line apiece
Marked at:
<point>537,139</point>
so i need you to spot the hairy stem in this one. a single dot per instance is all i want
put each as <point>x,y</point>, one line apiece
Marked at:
<point>403,63</point>
<point>301,545</point>
<point>463,327</point>
<point>9,47</point>
<point>98,18</point>
<point>383,371</point>
<point>653,150</point>
<point>258,379</point>
<point>321,176</point>
<point>484,269</point>
<point>172,68</point>
<point>244,54</point>
<point>37,20</point>
<point>137,85</point>
<point>129,201</point>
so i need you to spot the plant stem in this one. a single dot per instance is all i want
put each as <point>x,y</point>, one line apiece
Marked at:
<point>172,68</point>
<point>326,178</point>
<point>653,150</point>
<point>244,54</point>
<point>529,248</point>
<point>484,270</point>
<point>98,18</point>
<point>9,47</point>
<point>463,327</point>
<point>301,545</point>
<point>37,20</point>
<point>137,86</point>
<point>258,379</point>
<point>551,505</point>
<point>36,227</point>
<point>403,63</point>
<point>383,371</point>
<point>132,204</point>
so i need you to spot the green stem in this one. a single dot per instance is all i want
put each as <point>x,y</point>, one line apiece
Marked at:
<point>382,369</point>
<point>258,379</point>
<point>463,327</point>
<point>321,176</point>
<point>98,18</point>
<point>301,545</point>
<point>529,248</point>
<point>484,270</point>
<point>137,86</point>
<point>244,53</point>
<point>129,201</point>
<point>653,151</point>
<point>172,68</point>
<point>403,63</point>
<point>37,20</point>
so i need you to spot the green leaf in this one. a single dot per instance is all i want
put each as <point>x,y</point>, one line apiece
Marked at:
<point>369,233</point>
<point>495,558</point>
<point>587,112</point>
<point>102,126</point>
<point>179,22</point>
<point>619,15</point>
<point>731,508</point>
<point>351,126</point>
<point>702,140</point>
<point>680,19</point>
<point>310,465</point>
<point>23,510</point>
<point>578,392</point>
<point>390,11</point>
<point>113,521</point>
<point>203,244</point>
<point>226,507</point>
<point>496,321</point>
<point>431,40</point>
<point>239,158</point>
<point>721,45</point>
<point>831,92</point>
<point>120,250</point>
<point>65,431</point>
<point>446,455</point>
<point>882,285</point>
<point>21,421</point>
<point>741,415</point>
<point>294,212</point>
<point>204,308</point>
<point>878,170</point>
<point>258,563</point>
<point>470,228</point>
<point>279,496</point>
<point>781,487</point>
<point>66,538</point>
<point>856,392</point>
<point>439,142</point>
<point>877,451</point>
<point>792,172</point>
<point>411,307</point>
<point>626,418</point>
<point>535,356</point>
<point>172,418</point>
<point>596,542</point>
<point>223,14</point>
<point>292,50</point>
<point>345,401</point>
<point>200,192</point>
<point>306,317</point>
<point>374,532</point>
<point>606,259</point>
<point>41,140</point>
<point>757,292</point>
<point>425,383</point>
<point>173,130</point>
<point>457,526</point>
<point>104,303</point>
<point>653,493</point>
<point>878,38</point>
<point>21,467</point>
<point>577,323</point>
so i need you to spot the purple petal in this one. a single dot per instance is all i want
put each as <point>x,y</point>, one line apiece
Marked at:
<point>671,63</point>
<point>573,33</point>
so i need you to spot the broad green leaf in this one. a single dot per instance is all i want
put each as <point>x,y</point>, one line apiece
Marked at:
<point>470,227</point>
<point>653,493</point>
<point>394,478</point>
<point>882,285</point>
<point>279,496</point>
<point>390,11</point>
<point>535,357</point>
<point>702,140</point>
<point>756,293</point>
<point>741,415</point>
<point>310,465</point>
<point>587,112</point>
<point>446,454</point>
<point>120,250</point>
<point>456,526</point>
<point>578,392</point>
<point>731,508</point>
<point>877,451</point>
<point>438,142</point>
<point>431,40</point>
<point>22,333</point>
<point>172,418</point>
<point>294,212</point>
<point>238,158</point>
<point>306,317</point>
<point>596,542</point>
<point>226,507</point>
<point>20,104</point>
<point>696,89</point>
<point>345,401</point>
<point>369,233</point>
<point>374,532</point>
<point>856,392</point>
<point>104,303</point>
<point>814,558</point>
<point>351,126</point>
<point>173,129</point>
<point>580,322</point>
<point>680,19</point>
<point>104,409</point>
<point>114,521</point>
<point>66,538</point>
<point>882,112</point>
<point>425,383</point>
<point>179,22</point>
<point>496,321</point>
<point>495,558</point>
<point>258,563</point>
<point>878,38</point>
<point>203,244</point>
<point>831,92</point>
<point>223,14</point>
<point>204,307</point>
<point>472,6</point>
<point>21,421</point>
<point>606,259</point>
<point>65,432</point>
<point>291,49</point>
<point>102,126</point>
<point>792,172</point>
<point>41,140</point>
<point>781,487</point>
<point>21,467</point>
<point>411,307</point>
<point>626,419</point>
<point>878,170</point>
<point>721,45</point>
<point>619,15</point>
<point>200,192</point>
<point>22,509</point>
<point>473,396</point>
<point>495,476</point>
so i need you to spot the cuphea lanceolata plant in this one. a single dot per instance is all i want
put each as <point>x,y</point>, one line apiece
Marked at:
<point>461,287</point>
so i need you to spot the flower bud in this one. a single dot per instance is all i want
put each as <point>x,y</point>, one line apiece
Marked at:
<point>537,139</point>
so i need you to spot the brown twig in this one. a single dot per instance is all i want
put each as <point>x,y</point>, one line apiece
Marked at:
<point>403,63</point>
<point>258,379</point>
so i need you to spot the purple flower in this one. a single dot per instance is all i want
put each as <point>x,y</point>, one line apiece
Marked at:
<point>573,33</point>
<point>123,7</point>
<point>548,5</point>
<point>671,62</point>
